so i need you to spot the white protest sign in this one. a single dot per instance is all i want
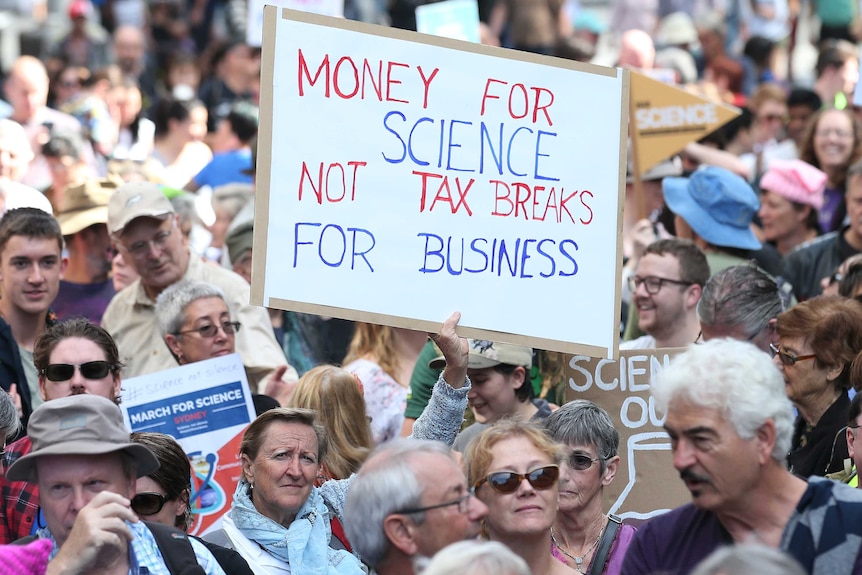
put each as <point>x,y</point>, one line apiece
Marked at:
<point>403,176</point>
<point>206,407</point>
<point>456,19</point>
<point>254,28</point>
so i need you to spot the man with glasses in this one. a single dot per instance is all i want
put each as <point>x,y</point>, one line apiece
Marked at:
<point>666,287</point>
<point>31,262</point>
<point>86,469</point>
<point>741,302</point>
<point>409,500</point>
<point>730,424</point>
<point>146,231</point>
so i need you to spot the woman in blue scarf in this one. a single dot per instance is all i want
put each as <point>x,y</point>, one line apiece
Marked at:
<point>279,522</point>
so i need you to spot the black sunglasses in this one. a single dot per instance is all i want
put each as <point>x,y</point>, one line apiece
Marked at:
<point>509,481</point>
<point>148,503</point>
<point>89,370</point>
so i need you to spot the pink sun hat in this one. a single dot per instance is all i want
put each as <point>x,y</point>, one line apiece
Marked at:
<point>796,181</point>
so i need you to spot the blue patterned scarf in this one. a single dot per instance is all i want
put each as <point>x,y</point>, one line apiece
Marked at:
<point>304,545</point>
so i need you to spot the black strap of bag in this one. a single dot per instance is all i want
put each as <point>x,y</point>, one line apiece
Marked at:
<point>601,556</point>
<point>177,551</point>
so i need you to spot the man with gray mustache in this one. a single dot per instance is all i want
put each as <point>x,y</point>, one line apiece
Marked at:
<point>730,425</point>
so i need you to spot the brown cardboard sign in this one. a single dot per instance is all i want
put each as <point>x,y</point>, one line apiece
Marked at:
<point>646,483</point>
<point>666,118</point>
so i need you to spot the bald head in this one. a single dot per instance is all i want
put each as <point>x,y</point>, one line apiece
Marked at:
<point>129,49</point>
<point>636,50</point>
<point>26,88</point>
<point>15,152</point>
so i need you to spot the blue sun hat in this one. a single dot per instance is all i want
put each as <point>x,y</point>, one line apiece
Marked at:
<point>717,204</point>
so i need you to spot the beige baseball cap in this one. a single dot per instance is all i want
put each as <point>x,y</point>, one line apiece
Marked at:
<point>484,353</point>
<point>86,203</point>
<point>136,200</point>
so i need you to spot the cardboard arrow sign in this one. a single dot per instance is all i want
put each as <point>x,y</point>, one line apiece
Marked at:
<point>666,118</point>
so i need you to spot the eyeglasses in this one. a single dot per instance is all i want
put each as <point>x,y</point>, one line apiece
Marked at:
<point>462,502</point>
<point>788,358</point>
<point>508,481</point>
<point>142,248</point>
<point>842,134</point>
<point>211,329</point>
<point>148,503</point>
<point>699,339</point>
<point>773,118</point>
<point>653,284</point>
<point>835,277</point>
<point>582,462</point>
<point>89,370</point>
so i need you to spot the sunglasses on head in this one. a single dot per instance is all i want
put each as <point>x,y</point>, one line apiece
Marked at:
<point>509,481</point>
<point>148,503</point>
<point>89,370</point>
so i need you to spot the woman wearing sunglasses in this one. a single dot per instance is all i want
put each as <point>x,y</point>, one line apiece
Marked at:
<point>514,467</point>
<point>163,496</point>
<point>818,340</point>
<point>581,528</point>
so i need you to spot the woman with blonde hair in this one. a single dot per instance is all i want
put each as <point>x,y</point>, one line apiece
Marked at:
<point>514,468</point>
<point>336,395</point>
<point>383,358</point>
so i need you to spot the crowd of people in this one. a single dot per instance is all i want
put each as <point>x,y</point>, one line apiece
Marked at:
<point>127,185</point>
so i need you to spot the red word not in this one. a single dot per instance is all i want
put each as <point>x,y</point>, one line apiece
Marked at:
<point>347,81</point>
<point>340,177</point>
<point>444,193</point>
<point>519,102</point>
<point>541,201</point>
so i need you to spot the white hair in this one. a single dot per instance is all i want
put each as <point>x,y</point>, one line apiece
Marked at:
<point>477,558</point>
<point>735,378</point>
<point>748,559</point>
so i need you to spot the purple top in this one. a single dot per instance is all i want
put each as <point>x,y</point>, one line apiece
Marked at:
<point>832,198</point>
<point>675,542</point>
<point>83,300</point>
<point>614,562</point>
<point>822,534</point>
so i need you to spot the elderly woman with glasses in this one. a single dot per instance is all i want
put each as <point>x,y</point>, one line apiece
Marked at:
<point>514,468</point>
<point>591,443</point>
<point>819,339</point>
<point>196,323</point>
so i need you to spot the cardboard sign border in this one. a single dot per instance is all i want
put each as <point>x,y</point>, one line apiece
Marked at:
<point>615,498</point>
<point>264,171</point>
